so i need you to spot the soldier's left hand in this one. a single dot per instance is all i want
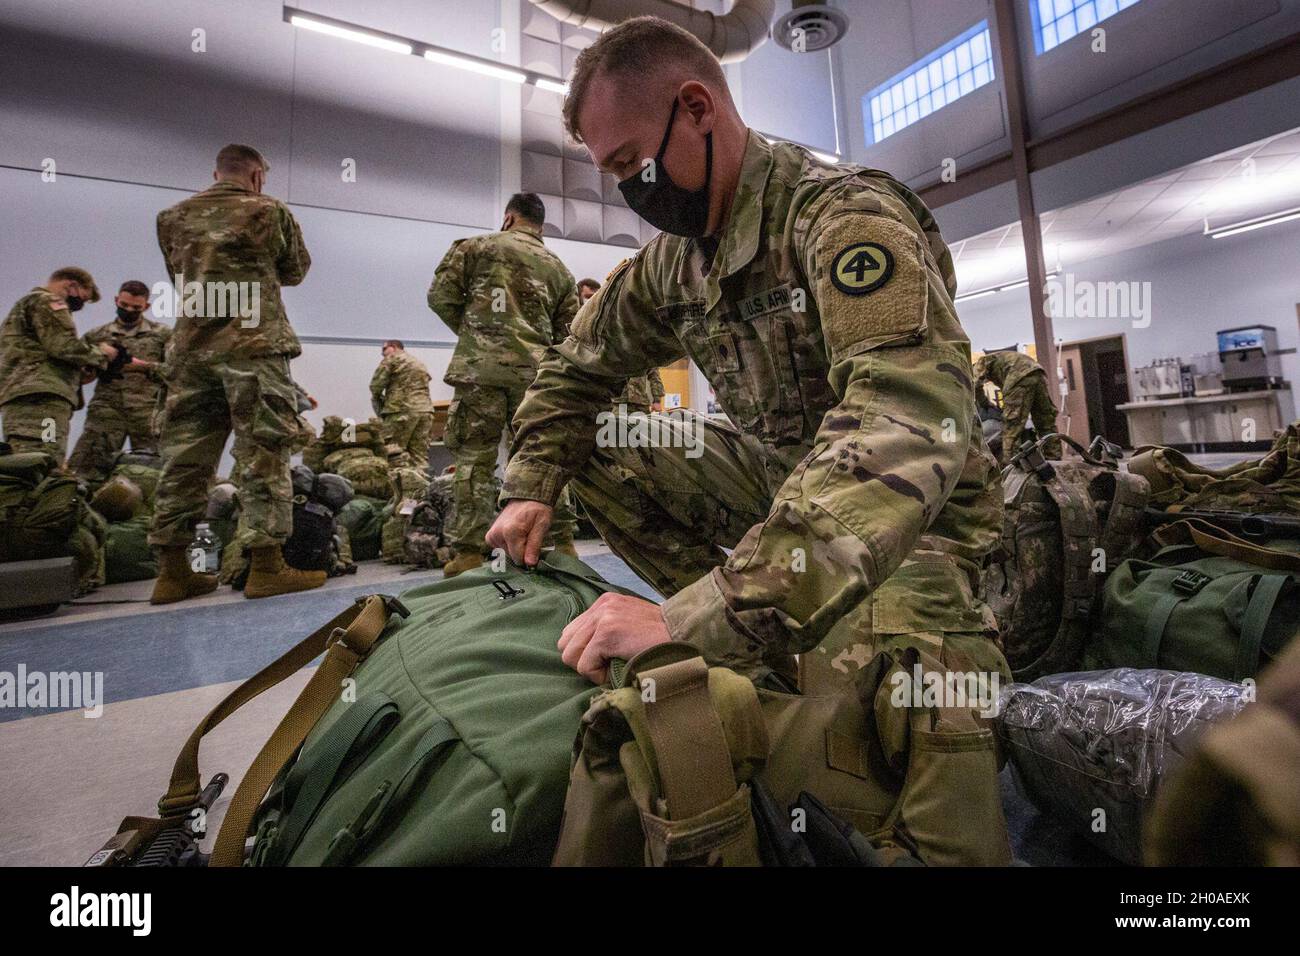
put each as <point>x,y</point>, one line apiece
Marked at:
<point>617,625</point>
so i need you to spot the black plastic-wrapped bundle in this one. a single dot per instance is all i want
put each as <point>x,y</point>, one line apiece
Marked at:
<point>1092,747</point>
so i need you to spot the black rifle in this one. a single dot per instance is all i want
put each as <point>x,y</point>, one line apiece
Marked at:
<point>1249,526</point>
<point>175,845</point>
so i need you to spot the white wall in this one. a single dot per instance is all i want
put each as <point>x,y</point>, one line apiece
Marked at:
<point>1197,285</point>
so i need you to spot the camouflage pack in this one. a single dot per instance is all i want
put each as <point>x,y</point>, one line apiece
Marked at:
<point>1066,524</point>
<point>367,471</point>
<point>426,534</point>
<point>409,488</point>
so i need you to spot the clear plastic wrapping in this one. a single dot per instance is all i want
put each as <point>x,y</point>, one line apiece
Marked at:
<point>1092,747</point>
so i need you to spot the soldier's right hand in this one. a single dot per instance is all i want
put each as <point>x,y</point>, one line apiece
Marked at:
<point>520,529</point>
<point>109,350</point>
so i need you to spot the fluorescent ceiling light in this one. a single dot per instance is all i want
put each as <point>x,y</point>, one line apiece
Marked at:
<point>555,86</point>
<point>1222,232</point>
<point>358,36</point>
<point>475,66</point>
<point>1006,287</point>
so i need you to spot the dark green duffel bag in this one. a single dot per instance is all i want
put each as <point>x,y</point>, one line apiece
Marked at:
<point>1207,602</point>
<point>364,518</point>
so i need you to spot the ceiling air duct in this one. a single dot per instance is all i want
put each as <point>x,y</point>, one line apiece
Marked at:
<point>731,36</point>
<point>810,26</point>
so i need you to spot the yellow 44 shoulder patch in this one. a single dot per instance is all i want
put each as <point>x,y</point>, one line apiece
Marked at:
<point>861,267</point>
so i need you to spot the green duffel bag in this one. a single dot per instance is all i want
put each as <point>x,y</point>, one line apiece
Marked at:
<point>1207,602</point>
<point>450,743</point>
<point>127,555</point>
<point>40,508</point>
<point>363,518</point>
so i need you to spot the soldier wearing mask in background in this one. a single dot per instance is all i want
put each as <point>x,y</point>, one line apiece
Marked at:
<point>508,299</point>
<point>123,406</point>
<point>399,394</point>
<point>643,393</point>
<point>1025,394</point>
<point>42,361</point>
<point>230,371</point>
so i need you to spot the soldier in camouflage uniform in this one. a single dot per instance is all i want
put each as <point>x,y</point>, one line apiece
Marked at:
<point>123,407</point>
<point>230,248</point>
<point>508,299</point>
<point>399,394</point>
<point>644,393</point>
<point>1025,394</point>
<point>42,362</point>
<point>857,493</point>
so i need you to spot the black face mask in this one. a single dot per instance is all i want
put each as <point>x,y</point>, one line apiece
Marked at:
<point>664,204</point>
<point>75,302</point>
<point>128,316</point>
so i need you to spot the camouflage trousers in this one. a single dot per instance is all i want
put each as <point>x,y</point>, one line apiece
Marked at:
<point>476,421</point>
<point>108,426</point>
<point>670,514</point>
<point>406,437</point>
<point>254,398</point>
<point>1028,398</point>
<point>30,419</point>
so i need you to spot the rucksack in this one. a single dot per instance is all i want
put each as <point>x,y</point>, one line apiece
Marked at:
<point>1207,602</point>
<point>1066,524</point>
<point>367,472</point>
<point>40,508</point>
<point>409,487</point>
<point>426,543</point>
<point>454,748</point>
<point>363,519</point>
<point>127,555</point>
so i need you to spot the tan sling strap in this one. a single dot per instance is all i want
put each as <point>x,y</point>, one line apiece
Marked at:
<point>689,742</point>
<point>345,641</point>
<point>1225,544</point>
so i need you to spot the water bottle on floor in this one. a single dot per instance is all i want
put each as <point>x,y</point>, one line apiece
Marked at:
<point>205,549</point>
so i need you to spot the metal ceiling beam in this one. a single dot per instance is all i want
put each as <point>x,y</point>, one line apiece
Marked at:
<point>1267,66</point>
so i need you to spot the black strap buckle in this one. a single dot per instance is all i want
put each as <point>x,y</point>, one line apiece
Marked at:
<point>1190,582</point>
<point>506,590</point>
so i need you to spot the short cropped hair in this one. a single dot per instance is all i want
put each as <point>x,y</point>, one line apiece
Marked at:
<point>237,159</point>
<point>134,287</point>
<point>635,49</point>
<point>79,276</point>
<point>395,343</point>
<point>591,284</point>
<point>528,206</point>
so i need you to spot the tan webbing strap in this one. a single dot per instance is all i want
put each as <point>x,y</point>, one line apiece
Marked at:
<point>344,649</point>
<point>1214,540</point>
<point>689,742</point>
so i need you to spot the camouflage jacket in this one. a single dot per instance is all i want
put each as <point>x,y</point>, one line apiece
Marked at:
<point>241,246</point>
<point>1006,369</point>
<point>825,323</point>
<point>40,352</point>
<point>508,298</point>
<point>400,384</point>
<point>146,340</point>
<point>643,391</point>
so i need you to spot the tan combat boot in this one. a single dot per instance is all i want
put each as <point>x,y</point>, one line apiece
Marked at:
<point>268,575</point>
<point>463,561</point>
<point>176,580</point>
<point>566,547</point>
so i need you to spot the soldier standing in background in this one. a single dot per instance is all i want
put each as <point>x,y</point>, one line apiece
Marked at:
<point>1025,394</point>
<point>399,394</point>
<point>229,369</point>
<point>123,406</point>
<point>508,299</point>
<point>643,393</point>
<point>42,362</point>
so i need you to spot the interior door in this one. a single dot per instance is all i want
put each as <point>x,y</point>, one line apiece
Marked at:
<point>1073,418</point>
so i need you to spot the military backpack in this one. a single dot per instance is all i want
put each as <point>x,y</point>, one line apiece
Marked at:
<point>1065,525</point>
